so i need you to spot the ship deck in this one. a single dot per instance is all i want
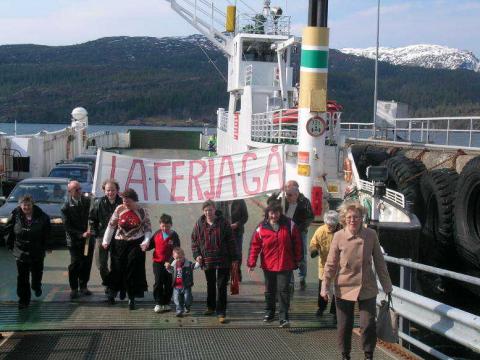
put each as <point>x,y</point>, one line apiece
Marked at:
<point>53,327</point>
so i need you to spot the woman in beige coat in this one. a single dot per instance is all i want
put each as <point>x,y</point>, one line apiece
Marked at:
<point>349,266</point>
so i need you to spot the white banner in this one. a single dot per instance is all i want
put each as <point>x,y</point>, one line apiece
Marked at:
<point>193,181</point>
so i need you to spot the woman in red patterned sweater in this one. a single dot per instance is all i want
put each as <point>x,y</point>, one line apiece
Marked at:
<point>133,232</point>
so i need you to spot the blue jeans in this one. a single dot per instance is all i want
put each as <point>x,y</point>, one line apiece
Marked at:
<point>302,269</point>
<point>182,297</point>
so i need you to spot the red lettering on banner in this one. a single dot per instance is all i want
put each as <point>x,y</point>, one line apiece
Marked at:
<point>176,177</point>
<point>142,181</point>
<point>158,181</point>
<point>226,159</point>
<point>194,179</point>
<point>274,155</point>
<point>255,179</point>
<point>210,194</point>
<point>114,167</point>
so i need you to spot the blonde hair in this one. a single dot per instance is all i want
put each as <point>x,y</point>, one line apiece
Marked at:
<point>350,205</point>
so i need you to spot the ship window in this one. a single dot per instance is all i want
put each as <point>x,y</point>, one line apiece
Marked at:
<point>258,51</point>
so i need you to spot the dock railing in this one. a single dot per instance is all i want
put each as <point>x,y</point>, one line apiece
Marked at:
<point>457,325</point>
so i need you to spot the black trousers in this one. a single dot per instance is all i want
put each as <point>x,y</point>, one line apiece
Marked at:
<point>127,268</point>
<point>217,281</point>
<point>80,265</point>
<point>24,269</point>
<point>277,281</point>
<point>162,289</point>
<point>368,328</point>
<point>101,260</point>
<point>322,304</point>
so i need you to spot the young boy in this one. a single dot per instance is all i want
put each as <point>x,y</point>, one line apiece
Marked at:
<point>163,241</point>
<point>182,282</point>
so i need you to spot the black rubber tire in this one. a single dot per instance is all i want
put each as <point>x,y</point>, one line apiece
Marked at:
<point>402,177</point>
<point>438,193</point>
<point>467,214</point>
<point>366,155</point>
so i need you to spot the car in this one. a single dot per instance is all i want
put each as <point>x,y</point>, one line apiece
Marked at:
<point>49,194</point>
<point>86,158</point>
<point>81,172</point>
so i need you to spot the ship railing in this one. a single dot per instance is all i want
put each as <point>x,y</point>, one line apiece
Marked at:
<point>457,325</point>
<point>269,127</point>
<point>457,131</point>
<point>391,195</point>
<point>249,75</point>
<point>259,24</point>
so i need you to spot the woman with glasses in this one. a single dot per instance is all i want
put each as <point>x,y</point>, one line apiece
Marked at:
<point>28,229</point>
<point>349,266</point>
<point>131,224</point>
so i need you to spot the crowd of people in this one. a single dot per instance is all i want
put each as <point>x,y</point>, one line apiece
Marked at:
<point>117,229</point>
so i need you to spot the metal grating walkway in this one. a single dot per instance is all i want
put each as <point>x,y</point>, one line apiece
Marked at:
<point>201,344</point>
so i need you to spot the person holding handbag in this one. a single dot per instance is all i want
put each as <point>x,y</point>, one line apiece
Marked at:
<point>349,267</point>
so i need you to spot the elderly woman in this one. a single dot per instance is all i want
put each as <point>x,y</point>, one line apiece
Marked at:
<point>132,237</point>
<point>278,242</point>
<point>27,230</point>
<point>320,245</point>
<point>349,266</point>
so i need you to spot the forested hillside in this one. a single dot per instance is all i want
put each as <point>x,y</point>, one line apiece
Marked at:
<point>169,80</point>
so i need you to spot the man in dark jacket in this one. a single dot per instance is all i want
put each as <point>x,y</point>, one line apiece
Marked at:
<point>239,217</point>
<point>100,214</point>
<point>75,219</point>
<point>28,229</point>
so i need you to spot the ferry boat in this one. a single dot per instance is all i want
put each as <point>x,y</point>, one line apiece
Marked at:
<point>410,205</point>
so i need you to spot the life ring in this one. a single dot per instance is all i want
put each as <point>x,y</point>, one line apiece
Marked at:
<point>347,170</point>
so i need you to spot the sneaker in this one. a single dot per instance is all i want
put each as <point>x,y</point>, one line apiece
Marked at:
<point>268,318</point>
<point>209,312</point>
<point>74,294</point>
<point>38,292</point>
<point>284,323</point>
<point>303,285</point>
<point>158,308</point>
<point>179,314</point>
<point>166,308</point>
<point>221,319</point>
<point>187,310</point>
<point>131,304</point>
<point>85,292</point>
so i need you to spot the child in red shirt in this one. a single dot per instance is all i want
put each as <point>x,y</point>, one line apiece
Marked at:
<point>163,241</point>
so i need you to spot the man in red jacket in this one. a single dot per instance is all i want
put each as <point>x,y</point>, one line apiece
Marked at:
<point>278,241</point>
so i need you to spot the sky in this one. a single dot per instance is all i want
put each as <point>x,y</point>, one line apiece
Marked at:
<point>352,23</point>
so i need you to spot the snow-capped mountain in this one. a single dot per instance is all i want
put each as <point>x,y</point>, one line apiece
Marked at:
<point>428,56</point>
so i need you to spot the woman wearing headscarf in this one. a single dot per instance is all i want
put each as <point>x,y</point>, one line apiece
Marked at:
<point>320,245</point>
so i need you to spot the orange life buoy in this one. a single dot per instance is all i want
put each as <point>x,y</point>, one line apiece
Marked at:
<point>347,170</point>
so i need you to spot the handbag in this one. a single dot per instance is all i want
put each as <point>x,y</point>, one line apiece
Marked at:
<point>387,321</point>
<point>235,279</point>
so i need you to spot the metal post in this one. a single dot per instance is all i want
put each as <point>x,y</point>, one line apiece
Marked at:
<point>409,130</point>
<point>421,134</point>
<point>448,129</point>
<point>375,91</point>
<point>406,284</point>
<point>470,134</point>
<point>395,131</point>
<point>428,126</point>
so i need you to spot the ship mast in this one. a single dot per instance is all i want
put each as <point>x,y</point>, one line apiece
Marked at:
<point>312,106</point>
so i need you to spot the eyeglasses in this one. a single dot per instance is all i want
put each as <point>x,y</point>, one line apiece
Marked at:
<point>353,218</point>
